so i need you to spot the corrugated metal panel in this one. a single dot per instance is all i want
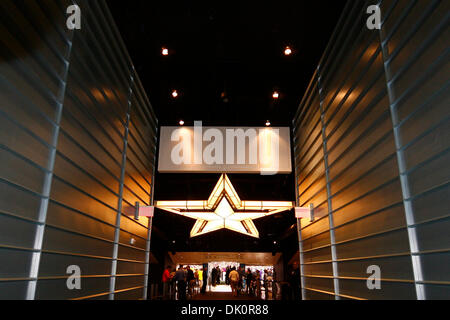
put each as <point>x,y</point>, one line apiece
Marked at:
<point>415,41</point>
<point>312,189</point>
<point>383,106</point>
<point>66,97</point>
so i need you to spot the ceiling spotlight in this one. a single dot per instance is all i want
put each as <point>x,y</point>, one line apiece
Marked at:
<point>267,123</point>
<point>175,93</point>
<point>287,51</point>
<point>165,51</point>
<point>276,95</point>
<point>181,123</point>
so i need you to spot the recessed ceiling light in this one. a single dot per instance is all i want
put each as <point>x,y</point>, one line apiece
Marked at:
<point>268,123</point>
<point>181,123</point>
<point>276,95</point>
<point>287,51</point>
<point>175,93</point>
<point>165,51</point>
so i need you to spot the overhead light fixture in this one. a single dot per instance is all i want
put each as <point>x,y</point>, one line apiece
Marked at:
<point>276,95</point>
<point>287,51</point>
<point>181,123</point>
<point>224,210</point>
<point>175,93</point>
<point>268,123</point>
<point>165,51</point>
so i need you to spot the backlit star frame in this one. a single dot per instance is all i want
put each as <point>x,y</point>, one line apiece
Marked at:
<point>224,209</point>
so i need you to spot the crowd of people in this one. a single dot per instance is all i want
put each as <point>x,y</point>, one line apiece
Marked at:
<point>244,282</point>
<point>186,281</point>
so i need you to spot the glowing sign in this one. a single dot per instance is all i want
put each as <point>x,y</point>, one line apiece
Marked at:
<point>264,150</point>
<point>224,209</point>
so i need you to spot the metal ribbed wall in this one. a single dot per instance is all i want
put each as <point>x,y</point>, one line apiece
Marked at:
<point>372,144</point>
<point>77,147</point>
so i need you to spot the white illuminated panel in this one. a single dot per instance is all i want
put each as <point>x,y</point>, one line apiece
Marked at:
<point>259,150</point>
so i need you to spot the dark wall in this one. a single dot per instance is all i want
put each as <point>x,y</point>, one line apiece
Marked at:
<point>77,144</point>
<point>372,141</point>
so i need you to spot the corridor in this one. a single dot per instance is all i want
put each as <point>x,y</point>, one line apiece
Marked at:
<point>302,146</point>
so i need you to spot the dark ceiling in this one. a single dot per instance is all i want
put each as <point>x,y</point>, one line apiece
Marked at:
<point>225,60</point>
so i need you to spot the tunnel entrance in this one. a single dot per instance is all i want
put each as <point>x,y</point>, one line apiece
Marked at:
<point>102,187</point>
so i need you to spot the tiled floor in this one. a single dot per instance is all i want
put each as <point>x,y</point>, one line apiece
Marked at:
<point>221,292</point>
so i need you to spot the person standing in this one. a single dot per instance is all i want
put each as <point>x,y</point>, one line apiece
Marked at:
<point>204,280</point>
<point>241,279</point>
<point>266,284</point>
<point>200,278</point>
<point>196,283</point>
<point>180,278</point>
<point>227,275</point>
<point>166,280</point>
<point>234,279</point>
<point>172,287</point>
<point>214,276</point>
<point>270,285</point>
<point>258,284</point>
<point>190,279</point>
<point>294,282</point>
<point>219,275</point>
<point>248,281</point>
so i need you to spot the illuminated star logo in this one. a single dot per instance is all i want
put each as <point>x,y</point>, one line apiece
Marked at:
<point>224,209</point>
